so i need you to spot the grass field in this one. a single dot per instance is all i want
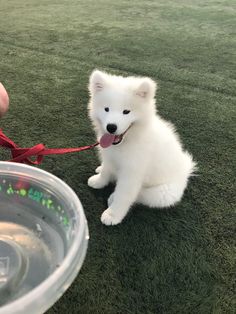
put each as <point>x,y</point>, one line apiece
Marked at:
<point>180,260</point>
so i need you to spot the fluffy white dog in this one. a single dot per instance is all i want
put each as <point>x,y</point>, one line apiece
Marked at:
<point>139,150</point>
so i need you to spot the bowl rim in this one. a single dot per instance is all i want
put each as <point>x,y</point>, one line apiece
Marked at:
<point>33,296</point>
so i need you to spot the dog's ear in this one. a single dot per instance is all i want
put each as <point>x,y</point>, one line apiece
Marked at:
<point>146,88</point>
<point>97,81</point>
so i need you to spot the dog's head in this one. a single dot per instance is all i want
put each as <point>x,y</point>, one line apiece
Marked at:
<point>118,102</point>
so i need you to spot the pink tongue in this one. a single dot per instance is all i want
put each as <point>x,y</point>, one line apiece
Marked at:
<point>106,140</point>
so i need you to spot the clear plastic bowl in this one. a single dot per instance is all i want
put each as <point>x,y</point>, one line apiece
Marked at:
<point>43,238</point>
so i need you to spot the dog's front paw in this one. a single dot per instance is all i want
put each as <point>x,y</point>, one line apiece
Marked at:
<point>96,182</point>
<point>110,218</point>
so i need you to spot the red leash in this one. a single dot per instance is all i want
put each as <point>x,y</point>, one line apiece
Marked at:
<point>24,155</point>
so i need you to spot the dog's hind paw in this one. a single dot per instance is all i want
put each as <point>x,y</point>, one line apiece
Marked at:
<point>98,169</point>
<point>109,218</point>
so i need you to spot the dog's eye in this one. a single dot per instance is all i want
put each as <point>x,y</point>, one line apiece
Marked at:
<point>107,109</point>
<point>126,111</point>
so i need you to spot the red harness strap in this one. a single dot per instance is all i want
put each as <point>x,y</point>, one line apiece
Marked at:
<point>23,154</point>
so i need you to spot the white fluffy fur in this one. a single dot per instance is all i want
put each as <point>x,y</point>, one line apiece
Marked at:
<point>149,166</point>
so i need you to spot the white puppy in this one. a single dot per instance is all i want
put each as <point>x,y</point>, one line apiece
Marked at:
<point>139,151</point>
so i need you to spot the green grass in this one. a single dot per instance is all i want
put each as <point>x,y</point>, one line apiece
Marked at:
<point>180,260</point>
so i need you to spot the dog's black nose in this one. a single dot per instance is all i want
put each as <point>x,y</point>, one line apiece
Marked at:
<point>111,128</point>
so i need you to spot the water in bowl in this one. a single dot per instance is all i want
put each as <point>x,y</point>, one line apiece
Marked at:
<point>32,237</point>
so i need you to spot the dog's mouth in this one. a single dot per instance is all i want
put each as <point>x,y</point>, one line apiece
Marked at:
<point>111,139</point>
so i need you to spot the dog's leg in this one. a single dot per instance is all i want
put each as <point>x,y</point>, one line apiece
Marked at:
<point>125,194</point>
<point>110,199</point>
<point>164,195</point>
<point>100,180</point>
